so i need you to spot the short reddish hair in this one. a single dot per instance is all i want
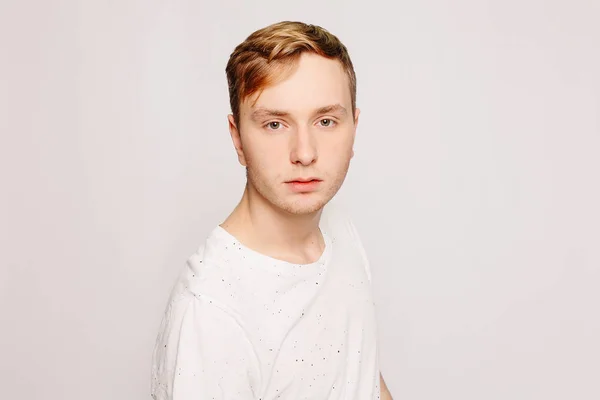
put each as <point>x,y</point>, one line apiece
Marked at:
<point>267,54</point>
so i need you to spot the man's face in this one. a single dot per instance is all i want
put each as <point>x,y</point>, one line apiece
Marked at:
<point>296,139</point>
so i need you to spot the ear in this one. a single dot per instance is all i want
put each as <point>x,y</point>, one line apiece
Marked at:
<point>237,139</point>
<point>356,114</point>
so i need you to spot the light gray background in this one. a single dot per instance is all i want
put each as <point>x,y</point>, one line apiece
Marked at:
<point>475,186</point>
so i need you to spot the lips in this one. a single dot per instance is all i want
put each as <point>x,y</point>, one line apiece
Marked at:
<point>304,180</point>
<point>304,185</point>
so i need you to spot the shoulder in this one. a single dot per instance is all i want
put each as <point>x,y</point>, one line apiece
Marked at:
<point>200,345</point>
<point>198,351</point>
<point>187,302</point>
<point>204,280</point>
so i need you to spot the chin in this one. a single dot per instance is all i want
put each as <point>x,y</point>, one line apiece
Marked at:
<point>303,206</point>
<point>304,209</point>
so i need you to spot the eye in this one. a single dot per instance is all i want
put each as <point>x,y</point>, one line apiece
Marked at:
<point>274,125</point>
<point>327,122</point>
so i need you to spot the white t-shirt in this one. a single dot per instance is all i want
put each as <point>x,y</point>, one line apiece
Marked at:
<point>242,325</point>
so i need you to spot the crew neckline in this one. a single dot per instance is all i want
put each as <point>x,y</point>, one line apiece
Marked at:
<point>246,255</point>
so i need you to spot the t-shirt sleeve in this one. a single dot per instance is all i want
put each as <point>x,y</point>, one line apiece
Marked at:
<point>201,352</point>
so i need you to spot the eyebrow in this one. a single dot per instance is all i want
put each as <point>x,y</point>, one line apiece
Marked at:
<point>334,108</point>
<point>261,112</point>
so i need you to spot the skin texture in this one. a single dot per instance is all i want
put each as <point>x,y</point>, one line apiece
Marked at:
<point>275,148</point>
<point>286,133</point>
<point>304,143</point>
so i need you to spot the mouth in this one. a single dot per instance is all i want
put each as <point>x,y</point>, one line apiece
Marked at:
<point>304,185</point>
<point>304,180</point>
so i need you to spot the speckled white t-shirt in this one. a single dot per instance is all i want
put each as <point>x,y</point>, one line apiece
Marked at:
<point>242,325</point>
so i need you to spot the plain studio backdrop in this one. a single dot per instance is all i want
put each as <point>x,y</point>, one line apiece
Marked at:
<point>475,186</point>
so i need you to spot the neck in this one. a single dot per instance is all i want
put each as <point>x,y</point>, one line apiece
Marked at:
<point>265,228</point>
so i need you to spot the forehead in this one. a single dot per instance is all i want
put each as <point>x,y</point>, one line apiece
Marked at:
<point>314,82</point>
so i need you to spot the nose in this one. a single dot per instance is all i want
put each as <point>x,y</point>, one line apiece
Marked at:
<point>304,147</point>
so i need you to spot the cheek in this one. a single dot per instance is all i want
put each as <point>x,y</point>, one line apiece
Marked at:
<point>339,148</point>
<point>265,158</point>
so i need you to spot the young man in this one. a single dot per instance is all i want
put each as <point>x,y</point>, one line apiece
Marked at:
<point>277,303</point>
